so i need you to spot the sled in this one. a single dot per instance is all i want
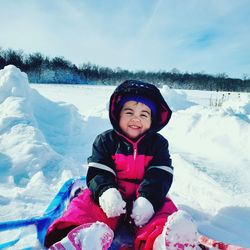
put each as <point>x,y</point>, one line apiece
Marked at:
<point>123,239</point>
<point>53,211</point>
<point>207,243</point>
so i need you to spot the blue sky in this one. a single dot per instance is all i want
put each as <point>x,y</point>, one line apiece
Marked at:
<point>211,36</point>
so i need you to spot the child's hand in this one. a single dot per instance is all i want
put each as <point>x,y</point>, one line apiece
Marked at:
<point>142,211</point>
<point>112,203</point>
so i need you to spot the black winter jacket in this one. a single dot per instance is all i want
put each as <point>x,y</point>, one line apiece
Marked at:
<point>140,167</point>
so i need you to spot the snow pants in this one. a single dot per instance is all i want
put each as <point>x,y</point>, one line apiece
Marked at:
<point>83,209</point>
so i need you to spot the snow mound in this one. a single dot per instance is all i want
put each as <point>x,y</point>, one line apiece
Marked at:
<point>40,130</point>
<point>239,107</point>
<point>176,100</point>
<point>13,82</point>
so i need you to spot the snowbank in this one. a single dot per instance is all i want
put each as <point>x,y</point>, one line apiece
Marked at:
<point>45,139</point>
<point>40,130</point>
<point>176,100</point>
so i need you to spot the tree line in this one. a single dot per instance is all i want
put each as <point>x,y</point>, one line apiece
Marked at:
<point>42,69</point>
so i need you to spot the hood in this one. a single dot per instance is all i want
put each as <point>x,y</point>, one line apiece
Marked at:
<point>143,89</point>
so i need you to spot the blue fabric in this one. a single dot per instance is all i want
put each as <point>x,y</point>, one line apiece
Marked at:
<point>141,99</point>
<point>54,210</point>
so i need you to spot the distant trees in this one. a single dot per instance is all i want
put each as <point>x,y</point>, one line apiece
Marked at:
<point>10,56</point>
<point>41,69</point>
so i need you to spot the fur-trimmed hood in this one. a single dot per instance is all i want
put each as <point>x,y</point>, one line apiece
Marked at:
<point>143,89</point>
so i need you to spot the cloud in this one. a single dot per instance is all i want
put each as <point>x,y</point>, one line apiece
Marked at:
<point>211,36</point>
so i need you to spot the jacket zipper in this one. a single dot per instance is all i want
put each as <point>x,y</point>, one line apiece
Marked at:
<point>133,143</point>
<point>135,152</point>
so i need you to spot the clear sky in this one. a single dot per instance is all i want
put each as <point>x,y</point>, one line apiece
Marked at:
<point>211,36</point>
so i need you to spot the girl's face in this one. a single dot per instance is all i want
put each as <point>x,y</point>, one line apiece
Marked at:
<point>135,119</point>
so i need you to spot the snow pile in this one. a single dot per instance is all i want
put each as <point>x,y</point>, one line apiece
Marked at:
<point>47,131</point>
<point>36,128</point>
<point>176,100</point>
<point>210,144</point>
<point>39,144</point>
<point>239,107</point>
<point>210,130</point>
<point>19,129</point>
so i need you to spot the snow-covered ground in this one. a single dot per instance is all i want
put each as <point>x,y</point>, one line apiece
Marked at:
<point>46,134</point>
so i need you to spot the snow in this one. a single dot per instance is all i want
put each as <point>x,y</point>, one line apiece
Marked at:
<point>180,230</point>
<point>112,203</point>
<point>46,134</point>
<point>98,234</point>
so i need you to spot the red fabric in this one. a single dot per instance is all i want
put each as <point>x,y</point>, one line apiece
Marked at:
<point>83,209</point>
<point>128,167</point>
<point>146,235</point>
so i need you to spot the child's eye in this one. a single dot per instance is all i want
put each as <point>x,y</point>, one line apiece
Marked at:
<point>144,115</point>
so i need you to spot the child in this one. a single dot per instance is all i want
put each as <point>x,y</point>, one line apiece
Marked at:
<point>129,175</point>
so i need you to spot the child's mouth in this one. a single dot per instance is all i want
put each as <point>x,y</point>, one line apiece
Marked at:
<point>134,127</point>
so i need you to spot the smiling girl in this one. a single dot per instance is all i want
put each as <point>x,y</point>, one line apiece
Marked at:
<point>129,176</point>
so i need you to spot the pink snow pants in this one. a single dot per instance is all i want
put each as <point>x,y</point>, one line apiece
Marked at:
<point>83,209</point>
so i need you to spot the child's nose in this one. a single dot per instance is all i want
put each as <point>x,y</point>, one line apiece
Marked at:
<point>136,118</point>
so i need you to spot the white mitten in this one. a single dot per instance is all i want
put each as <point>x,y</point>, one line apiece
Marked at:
<point>142,211</point>
<point>112,203</point>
